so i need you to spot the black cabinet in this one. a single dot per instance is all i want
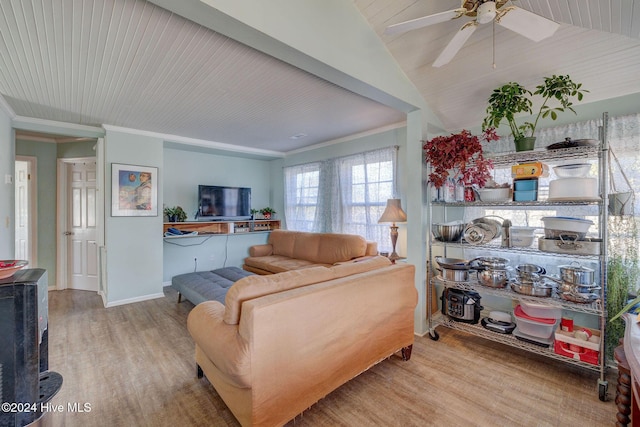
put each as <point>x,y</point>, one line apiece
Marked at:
<point>26,380</point>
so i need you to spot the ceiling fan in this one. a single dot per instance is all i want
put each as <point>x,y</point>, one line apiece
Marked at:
<point>523,22</point>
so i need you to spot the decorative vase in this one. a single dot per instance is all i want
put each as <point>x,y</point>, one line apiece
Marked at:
<point>526,143</point>
<point>267,215</point>
<point>172,218</point>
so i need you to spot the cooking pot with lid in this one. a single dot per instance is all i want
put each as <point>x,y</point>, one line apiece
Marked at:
<point>576,274</point>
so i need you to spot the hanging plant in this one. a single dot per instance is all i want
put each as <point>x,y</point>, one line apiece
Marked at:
<point>459,156</point>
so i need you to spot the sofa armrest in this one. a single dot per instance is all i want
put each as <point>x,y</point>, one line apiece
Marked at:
<point>220,342</point>
<point>372,248</point>
<point>261,250</point>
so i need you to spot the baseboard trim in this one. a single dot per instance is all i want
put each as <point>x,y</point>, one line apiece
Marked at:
<point>132,300</point>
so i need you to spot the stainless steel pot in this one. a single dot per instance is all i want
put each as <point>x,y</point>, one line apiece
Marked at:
<point>579,289</point>
<point>576,274</point>
<point>489,263</point>
<point>456,275</point>
<point>535,290</point>
<point>530,273</point>
<point>493,278</point>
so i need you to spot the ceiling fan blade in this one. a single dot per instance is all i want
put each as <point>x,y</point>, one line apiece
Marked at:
<point>425,21</point>
<point>525,23</point>
<point>456,43</point>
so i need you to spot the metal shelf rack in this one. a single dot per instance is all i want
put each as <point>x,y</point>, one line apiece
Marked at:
<point>597,308</point>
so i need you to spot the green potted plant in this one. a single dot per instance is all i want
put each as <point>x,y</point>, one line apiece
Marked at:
<point>623,271</point>
<point>267,212</point>
<point>512,98</point>
<point>175,214</point>
<point>254,212</point>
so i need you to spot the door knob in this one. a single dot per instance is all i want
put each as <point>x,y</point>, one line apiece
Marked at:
<point>68,233</point>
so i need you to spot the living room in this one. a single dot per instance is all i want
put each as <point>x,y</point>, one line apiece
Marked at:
<point>132,278</point>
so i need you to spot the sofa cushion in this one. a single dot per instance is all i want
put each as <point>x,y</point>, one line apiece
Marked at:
<point>279,263</point>
<point>320,248</point>
<point>256,286</point>
<point>202,286</point>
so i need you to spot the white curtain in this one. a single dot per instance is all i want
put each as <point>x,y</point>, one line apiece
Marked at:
<point>342,195</point>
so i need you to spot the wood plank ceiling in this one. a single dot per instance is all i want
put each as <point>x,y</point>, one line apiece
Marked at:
<point>598,44</point>
<point>133,64</point>
<point>130,63</point>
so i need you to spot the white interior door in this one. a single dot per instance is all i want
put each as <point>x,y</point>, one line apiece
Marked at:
<point>23,210</point>
<point>25,205</point>
<point>81,232</point>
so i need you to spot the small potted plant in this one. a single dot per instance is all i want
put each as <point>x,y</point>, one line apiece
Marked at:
<point>267,212</point>
<point>459,156</point>
<point>254,212</point>
<point>175,214</point>
<point>512,98</point>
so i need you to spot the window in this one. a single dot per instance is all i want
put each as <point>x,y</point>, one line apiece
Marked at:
<point>342,195</point>
<point>301,196</point>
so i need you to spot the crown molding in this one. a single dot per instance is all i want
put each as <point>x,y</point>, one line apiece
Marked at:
<point>203,143</point>
<point>7,108</point>
<point>348,138</point>
<point>52,126</point>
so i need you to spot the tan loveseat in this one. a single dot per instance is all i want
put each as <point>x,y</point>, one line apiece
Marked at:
<point>291,250</point>
<point>284,341</point>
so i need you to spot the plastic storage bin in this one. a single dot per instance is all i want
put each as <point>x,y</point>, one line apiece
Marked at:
<point>544,311</point>
<point>525,196</point>
<point>525,184</point>
<point>586,351</point>
<point>534,326</point>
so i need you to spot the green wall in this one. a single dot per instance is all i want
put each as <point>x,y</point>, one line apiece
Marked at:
<point>47,155</point>
<point>133,244</point>
<point>7,195</point>
<point>184,169</point>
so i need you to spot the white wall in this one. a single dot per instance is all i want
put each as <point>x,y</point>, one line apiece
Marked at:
<point>7,166</point>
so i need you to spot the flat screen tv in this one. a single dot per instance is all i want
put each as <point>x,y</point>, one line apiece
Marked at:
<point>219,203</point>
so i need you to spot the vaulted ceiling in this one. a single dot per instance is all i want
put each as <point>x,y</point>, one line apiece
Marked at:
<point>131,63</point>
<point>597,44</point>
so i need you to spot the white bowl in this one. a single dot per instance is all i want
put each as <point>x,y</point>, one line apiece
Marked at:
<point>522,236</point>
<point>565,223</point>
<point>502,194</point>
<point>576,170</point>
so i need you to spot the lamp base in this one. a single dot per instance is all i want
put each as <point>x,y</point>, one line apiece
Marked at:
<point>394,256</point>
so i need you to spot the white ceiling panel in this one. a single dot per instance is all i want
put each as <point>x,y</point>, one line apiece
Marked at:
<point>597,44</point>
<point>130,63</point>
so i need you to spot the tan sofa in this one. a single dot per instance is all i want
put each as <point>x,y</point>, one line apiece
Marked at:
<point>284,341</point>
<point>291,250</point>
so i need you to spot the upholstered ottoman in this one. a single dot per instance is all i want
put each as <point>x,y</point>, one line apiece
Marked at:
<point>203,286</point>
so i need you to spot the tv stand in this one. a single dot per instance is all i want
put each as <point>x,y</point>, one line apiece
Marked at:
<point>224,227</point>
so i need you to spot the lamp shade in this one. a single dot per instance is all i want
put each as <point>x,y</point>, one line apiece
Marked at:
<point>393,212</point>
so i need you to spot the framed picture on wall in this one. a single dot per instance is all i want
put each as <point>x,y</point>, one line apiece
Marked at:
<point>134,190</point>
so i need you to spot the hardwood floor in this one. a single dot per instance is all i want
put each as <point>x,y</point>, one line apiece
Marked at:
<point>133,365</point>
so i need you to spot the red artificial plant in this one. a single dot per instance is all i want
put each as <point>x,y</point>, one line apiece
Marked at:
<point>459,156</point>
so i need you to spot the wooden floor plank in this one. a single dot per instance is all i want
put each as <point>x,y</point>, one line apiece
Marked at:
<point>134,365</point>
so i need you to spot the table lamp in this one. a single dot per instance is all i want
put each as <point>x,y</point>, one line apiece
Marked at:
<point>393,213</point>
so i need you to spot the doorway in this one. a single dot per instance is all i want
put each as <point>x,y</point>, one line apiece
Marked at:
<point>26,209</point>
<point>78,266</point>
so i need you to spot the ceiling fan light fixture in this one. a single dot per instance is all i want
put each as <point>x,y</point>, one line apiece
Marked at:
<point>486,12</point>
